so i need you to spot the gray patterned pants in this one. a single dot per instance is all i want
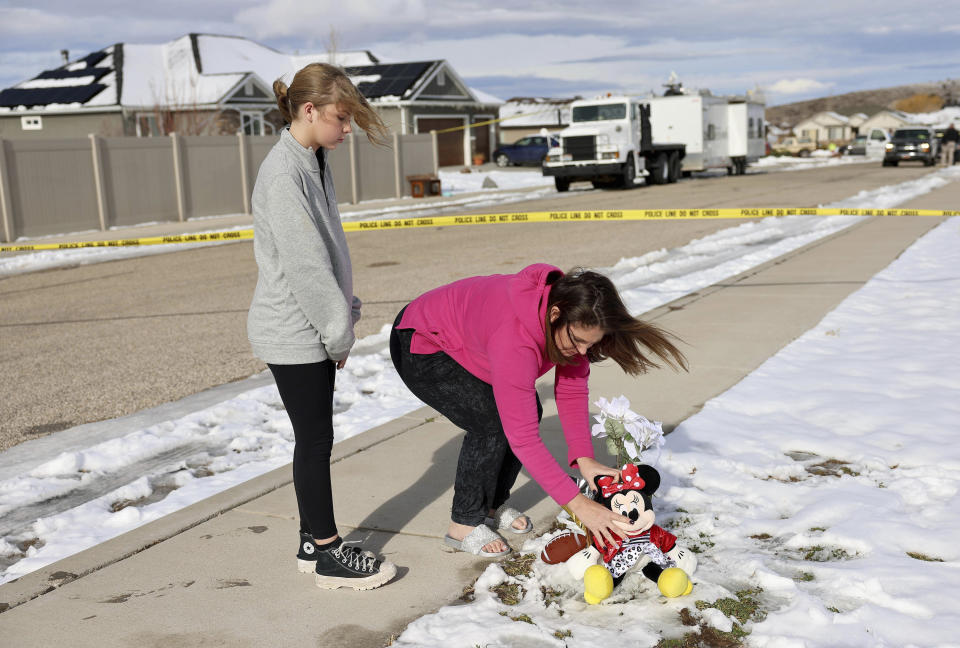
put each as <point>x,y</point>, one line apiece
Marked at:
<point>487,468</point>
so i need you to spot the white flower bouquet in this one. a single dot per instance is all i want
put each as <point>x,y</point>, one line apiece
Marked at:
<point>630,436</point>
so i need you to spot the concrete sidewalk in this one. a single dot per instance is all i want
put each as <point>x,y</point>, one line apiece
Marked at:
<point>222,572</point>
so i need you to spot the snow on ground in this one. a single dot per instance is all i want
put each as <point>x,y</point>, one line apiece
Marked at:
<point>821,494</point>
<point>77,499</point>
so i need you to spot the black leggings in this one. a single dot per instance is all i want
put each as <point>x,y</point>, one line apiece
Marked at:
<point>307,394</point>
<point>487,468</point>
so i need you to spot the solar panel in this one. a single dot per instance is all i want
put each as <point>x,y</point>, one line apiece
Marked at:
<point>93,58</point>
<point>12,97</point>
<point>395,78</point>
<point>61,73</point>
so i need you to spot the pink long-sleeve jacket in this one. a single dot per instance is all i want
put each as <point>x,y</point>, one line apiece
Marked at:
<point>494,327</point>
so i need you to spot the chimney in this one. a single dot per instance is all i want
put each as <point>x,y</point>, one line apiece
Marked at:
<point>65,55</point>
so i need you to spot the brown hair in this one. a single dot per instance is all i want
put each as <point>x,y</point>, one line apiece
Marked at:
<point>323,84</point>
<point>588,298</point>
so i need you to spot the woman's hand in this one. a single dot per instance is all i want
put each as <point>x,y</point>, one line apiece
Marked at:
<point>591,468</point>
<point>598,519</point>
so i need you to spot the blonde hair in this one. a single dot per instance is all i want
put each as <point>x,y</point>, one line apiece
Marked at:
<point>323,84</point>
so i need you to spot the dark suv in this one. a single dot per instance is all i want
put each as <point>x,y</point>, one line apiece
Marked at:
<point>912,144</point>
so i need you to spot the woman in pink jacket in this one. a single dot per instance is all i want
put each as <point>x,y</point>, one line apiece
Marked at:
<point>473,350</point>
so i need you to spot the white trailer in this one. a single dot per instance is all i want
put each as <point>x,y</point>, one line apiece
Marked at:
<point>719,132</point>
<point>697,121</point>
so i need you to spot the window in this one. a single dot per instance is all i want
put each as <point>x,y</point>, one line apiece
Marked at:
<point>251,123</point>
<point>31,123</point>
<point>248,89</point>
<point>759,128</point>
<point>711,132</point>
<point>602,112</point>
<point>750,122</point>
<point>877,134</point>
<point>442,78</point>
<point>835,132</point>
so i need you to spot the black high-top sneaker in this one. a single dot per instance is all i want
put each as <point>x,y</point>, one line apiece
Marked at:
<point>346,566</point>
<point>307,554</point>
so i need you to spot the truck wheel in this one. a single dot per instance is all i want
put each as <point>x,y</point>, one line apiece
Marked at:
<point>804,153</point>
<point>502,160</point>
<point>629,172</point>
<point>563,184</point>
<point>890,163</point>
<point>674,169</point>
<point>659,173</point>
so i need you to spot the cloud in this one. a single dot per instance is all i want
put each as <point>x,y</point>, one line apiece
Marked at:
<point>295,18</point>
<point>796,86</point>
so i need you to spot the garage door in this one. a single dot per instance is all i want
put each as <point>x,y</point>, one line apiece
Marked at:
<point>449,145</point>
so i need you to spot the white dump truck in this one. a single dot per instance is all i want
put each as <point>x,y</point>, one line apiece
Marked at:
<point>718,132</point>
<point>610,143</point>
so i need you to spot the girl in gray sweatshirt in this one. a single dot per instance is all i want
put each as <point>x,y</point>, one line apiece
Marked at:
<point>303,310</point>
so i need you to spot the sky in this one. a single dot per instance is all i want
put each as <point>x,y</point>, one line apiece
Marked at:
<point>838,535</point>
<point>791,49</point>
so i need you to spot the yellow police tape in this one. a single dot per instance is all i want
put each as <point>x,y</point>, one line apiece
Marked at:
<point>500,219</point>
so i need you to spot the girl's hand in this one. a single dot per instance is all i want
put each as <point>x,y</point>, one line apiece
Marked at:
<point>342,363</point>
<point>598,519</point>
<point>591,468</point>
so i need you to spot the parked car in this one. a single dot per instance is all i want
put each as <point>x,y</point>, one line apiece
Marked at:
<point>912,144</point>
<point>802,146</point>
<point>526,150</point>
<point>940,132</point>
<point>872,144</point>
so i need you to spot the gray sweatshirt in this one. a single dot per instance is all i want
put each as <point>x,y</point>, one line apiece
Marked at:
<point>303,308</point>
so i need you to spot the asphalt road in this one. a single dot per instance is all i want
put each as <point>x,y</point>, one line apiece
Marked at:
<point>95,342</point>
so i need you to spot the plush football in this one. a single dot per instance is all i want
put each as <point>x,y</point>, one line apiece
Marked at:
<point>560,548</point>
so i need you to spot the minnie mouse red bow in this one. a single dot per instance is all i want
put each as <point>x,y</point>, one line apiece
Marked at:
<point>631,480</point>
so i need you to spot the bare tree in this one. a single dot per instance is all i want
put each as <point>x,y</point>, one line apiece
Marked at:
<point>333,45</point>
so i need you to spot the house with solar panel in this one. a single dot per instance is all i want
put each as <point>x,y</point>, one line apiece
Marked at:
<point>202,84</point>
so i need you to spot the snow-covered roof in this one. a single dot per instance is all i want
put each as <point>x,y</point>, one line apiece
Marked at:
<point>193,70</point>
<point>485,97</point>
<point>536,111</point>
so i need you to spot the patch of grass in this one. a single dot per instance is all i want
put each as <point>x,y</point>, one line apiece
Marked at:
<point>818,553</point>
<point>804,577</point>
<point>557,525</point>
<point>520,617</point>
<point>704,637</point>
<point>550,595</point>
<point>562,634</point>
<point>467,595</point>
<point>509,593</point>
<point>519,565</point>
<point>744,608</point>
<point>818,529</point>
<point>833,609</point>
<point>761,536</point>
<point>832,468</point>
<point>919,556</point>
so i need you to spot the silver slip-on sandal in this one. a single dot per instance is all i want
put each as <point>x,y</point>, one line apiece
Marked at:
<point>504,517</point>
<point>475,542</point>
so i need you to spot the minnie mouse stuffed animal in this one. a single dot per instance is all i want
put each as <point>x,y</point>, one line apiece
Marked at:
<point>647,545</point>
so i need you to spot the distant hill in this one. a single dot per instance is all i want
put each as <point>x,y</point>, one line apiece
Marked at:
<point>865,101</point>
